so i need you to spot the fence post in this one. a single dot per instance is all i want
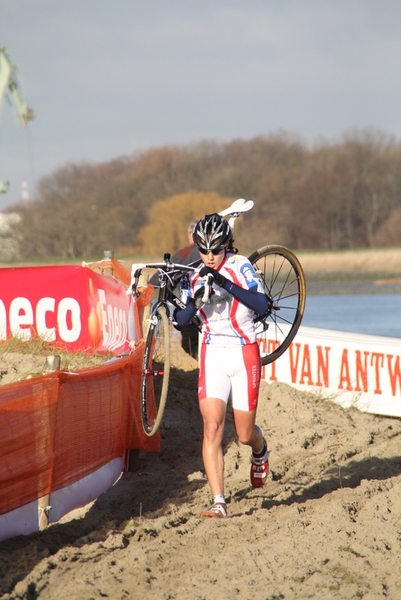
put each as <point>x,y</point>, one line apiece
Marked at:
<point>108,255</point>
<point>52,363</point>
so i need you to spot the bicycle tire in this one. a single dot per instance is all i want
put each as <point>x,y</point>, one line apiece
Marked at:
<point>155,371</point>
<point>283,281</point>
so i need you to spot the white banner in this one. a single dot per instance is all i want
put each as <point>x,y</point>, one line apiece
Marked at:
<point>26,519</point>
<point>85,490</point>
<point>21,521</point>
<point>351,369</point>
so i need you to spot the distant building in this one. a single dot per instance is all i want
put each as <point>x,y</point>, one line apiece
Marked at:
<point>8,244</point>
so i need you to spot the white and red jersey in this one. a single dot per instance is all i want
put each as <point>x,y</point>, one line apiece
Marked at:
<point>225,320</point>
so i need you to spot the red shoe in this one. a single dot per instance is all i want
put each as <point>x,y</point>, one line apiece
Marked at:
<point>217,511</point>
<point>259,468</point>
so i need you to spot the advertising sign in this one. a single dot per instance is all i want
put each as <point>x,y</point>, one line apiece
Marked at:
<point>69,306</point>
<point>353,370</point>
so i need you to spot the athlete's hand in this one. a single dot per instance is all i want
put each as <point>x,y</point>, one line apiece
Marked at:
<point>198,297</point>
<point>217,277</point>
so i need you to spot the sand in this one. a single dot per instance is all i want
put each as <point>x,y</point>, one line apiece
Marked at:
<point>15,366</point>
<point>326,525</point>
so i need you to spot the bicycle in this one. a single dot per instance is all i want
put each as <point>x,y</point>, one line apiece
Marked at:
<point>283,281</point>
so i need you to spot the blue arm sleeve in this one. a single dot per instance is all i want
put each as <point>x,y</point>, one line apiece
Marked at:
<point>184,316</point>
<point>251,298</point>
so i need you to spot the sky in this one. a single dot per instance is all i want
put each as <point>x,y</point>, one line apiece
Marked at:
<point>110,78</point>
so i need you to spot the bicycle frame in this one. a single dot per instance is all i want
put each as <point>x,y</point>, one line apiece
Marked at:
<point>156,360</point>
<point>169,275</point>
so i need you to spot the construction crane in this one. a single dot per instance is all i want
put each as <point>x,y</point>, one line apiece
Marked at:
<point>10,86</point>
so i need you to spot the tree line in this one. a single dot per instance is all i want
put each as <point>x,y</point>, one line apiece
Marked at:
<point>343,194</point>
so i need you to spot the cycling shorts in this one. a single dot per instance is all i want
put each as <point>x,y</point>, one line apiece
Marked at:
<point>230,372</point>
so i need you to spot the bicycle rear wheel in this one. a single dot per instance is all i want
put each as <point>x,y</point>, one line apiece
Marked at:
<point>155,371</point>
<point>283,281</point>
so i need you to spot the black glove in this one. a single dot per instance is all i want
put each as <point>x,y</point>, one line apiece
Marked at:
<point>198,297</point>
<point>217,277</point>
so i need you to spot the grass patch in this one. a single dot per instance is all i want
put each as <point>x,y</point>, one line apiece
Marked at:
<point>53,261</point>
<point>36,346</point>
<point>343,576</point>
<point>40,348</point>
<point>47,262</point>
<point>351,551</point>
<point>322,276</point>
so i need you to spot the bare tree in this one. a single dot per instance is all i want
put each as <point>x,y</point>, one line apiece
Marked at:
<point>334,195</point>
<point>166,230</point>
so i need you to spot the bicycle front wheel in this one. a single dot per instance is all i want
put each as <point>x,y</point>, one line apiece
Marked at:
<point>155,371</point>
<point>283,281</point>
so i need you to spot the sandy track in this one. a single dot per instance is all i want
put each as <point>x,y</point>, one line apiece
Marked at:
<point>326,525</point>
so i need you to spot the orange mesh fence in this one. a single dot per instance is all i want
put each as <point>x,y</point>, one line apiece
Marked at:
<point>28,412</point>
<point>119,271</point>
<point>146,295</point>
<point>57,428</point>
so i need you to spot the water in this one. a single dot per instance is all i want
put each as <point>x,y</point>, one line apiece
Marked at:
<point>372,314</point>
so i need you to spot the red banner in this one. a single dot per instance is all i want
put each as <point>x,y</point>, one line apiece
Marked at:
<point>69,306</point>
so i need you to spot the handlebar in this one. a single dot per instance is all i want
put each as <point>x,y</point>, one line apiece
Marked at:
<point>165,268</point>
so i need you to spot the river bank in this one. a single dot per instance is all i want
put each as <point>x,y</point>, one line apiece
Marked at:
<point>365,263</point>
<point>352,272</point>
<point>378,264</point>
<point>367,271</point>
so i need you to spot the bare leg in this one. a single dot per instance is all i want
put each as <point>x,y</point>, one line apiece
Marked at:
<point>213,411</point>
<point>248,432</point>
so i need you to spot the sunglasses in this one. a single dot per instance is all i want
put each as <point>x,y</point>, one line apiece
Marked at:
<point>214,252</point>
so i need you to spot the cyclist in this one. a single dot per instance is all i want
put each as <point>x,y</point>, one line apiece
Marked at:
<point>189,253</point>
<point>229,359</point>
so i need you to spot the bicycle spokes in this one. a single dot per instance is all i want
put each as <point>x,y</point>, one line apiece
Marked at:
<point>155,371</point>
<point>282,279</point>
